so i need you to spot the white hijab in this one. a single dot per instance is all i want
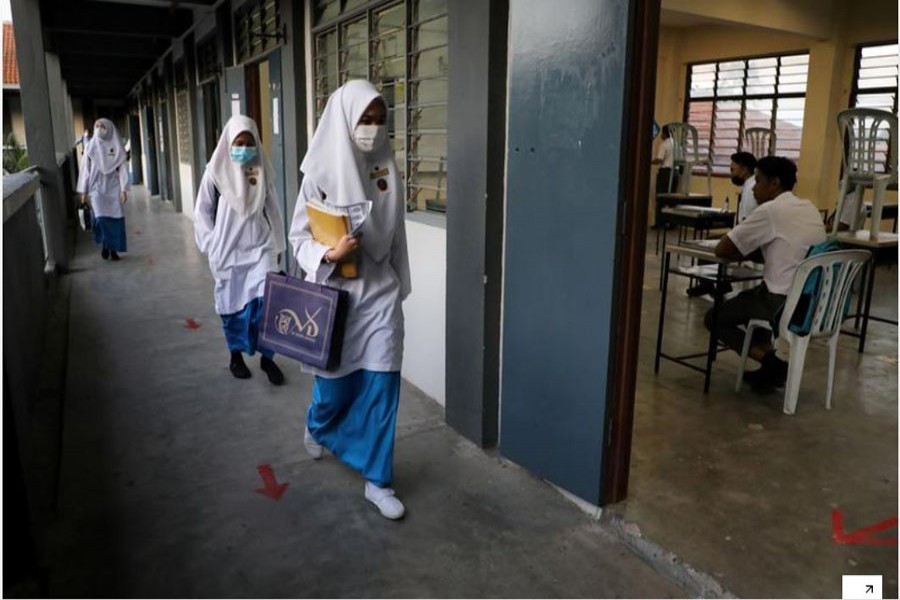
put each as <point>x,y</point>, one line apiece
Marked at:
<point>107,152</point>
<point>243,187</point>
<point>346,175</point>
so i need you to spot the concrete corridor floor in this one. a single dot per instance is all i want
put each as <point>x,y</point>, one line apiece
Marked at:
<point>161,448</point>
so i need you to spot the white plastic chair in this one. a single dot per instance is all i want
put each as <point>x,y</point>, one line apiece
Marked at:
<point>839,270</point>
<point>865,132</point>
<point>760,141</point>
<point>687,155</point>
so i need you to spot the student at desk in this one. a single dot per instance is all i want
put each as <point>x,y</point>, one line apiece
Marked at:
<point>778,232</point>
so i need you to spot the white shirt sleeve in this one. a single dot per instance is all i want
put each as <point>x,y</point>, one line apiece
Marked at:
<point>307,251</point>
<point>400,256</point>
<point>754,233</point>
<point>84,174</point>
<point>204,214</point>
<point>124,180</point>
<point>273,214</point>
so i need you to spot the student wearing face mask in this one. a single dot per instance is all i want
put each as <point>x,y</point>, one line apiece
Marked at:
<point>103,180</point>
<point>237,223</point>
<point>354,408</point>
<point>742,167</point>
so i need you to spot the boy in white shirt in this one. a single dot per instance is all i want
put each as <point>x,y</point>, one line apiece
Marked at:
<point>780,230</point>
<point>742,167</point>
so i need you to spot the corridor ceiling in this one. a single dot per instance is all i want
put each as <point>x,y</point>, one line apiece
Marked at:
<point>106,46</point>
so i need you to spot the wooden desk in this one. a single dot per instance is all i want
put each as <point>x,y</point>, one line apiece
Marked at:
<point>884,252</point>
<point>672,200</point>
<point>700,219</point>
<point>718,272</point>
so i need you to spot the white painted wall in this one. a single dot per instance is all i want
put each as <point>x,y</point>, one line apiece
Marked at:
<point>424,356</point>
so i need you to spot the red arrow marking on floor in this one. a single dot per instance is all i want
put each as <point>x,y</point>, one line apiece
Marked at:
<point>272,489</point>
<point>861,536</point>
<point>191,324</point>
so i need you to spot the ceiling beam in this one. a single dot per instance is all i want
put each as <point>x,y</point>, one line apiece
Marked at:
<point>92,18</point>
<point>75,45</point>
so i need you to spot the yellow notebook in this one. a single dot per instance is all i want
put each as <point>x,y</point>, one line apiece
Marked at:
<point>328,227</point>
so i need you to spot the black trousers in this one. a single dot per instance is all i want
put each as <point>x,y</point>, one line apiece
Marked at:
<point>755,303</point>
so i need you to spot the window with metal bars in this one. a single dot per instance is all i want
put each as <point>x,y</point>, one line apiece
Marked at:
<point>401,47</point>
<point>725,98</point>
<point>207,60</point>
<point>258,29</point>
<point>875,86</point>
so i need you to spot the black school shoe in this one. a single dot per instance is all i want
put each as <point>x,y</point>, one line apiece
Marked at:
<point>113,255</point>
<point>238,366</point>
<point>770,376</point>
<point>276,377</point>
<point>104,254</point>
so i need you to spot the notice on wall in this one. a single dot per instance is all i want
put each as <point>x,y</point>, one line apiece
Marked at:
<point>235,104</point>
<point>275,117</point>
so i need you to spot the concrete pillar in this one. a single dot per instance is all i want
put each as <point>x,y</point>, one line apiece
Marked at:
<point>39,124</point>
<point>476,154</point>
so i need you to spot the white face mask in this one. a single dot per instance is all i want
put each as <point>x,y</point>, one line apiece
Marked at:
<point>369,137</point>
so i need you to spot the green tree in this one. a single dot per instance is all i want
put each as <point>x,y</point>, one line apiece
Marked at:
<point>15,157</point>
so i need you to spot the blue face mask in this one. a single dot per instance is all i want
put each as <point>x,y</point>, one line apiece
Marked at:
<point>243,154</point>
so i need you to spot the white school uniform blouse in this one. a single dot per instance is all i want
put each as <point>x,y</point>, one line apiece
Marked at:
<point>373,335</point>
<point>783,229</point>
<point>103,189</point>
<point>241,250</point>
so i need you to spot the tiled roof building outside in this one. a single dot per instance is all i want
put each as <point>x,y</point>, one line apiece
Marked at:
<point>10,66</point>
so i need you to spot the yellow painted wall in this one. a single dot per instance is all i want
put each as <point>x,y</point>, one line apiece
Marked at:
<point>828,87</point>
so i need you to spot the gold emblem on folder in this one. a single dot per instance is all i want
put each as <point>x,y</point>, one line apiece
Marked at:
<point>287,322</point>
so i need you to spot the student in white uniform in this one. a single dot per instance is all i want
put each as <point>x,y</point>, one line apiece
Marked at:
<point>103,180</point>
<point>237,223</point>
<point>742,166</point>
<point>354,408</point>
<point>782,229</point>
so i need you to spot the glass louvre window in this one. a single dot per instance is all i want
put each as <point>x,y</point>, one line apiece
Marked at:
<point>726,98</point>
<point>257,28</point>
<point>401,47</point>
<point>207,60</point>
<point>875,86</point>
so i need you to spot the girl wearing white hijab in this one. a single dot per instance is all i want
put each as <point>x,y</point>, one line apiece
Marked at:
<point>237,223</point>
<point>104,180</point>
<point>354,409</point>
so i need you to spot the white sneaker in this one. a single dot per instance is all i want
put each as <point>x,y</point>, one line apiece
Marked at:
<point>313,448</point>
<point>388,504</point>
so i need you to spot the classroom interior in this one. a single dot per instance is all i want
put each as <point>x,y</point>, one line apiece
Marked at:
<point>730,467</point>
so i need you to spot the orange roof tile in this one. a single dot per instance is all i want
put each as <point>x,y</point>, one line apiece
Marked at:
<point>10,66</point>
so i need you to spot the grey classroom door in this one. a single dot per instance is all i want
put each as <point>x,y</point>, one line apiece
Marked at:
<point>566,90</point>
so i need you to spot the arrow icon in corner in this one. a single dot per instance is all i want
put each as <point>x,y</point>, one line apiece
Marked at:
<point>271,487</point>
<point>870,589</point>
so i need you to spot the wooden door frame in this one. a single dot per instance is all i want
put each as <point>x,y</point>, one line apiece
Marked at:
<point>637,141</point>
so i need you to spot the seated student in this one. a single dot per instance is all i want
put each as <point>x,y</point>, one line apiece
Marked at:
<point>742,166</point>
<point>781,229</point>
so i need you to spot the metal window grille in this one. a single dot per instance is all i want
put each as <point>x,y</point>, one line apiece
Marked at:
<point>258,29</point>
<point>207,60</point>
<point>401,47</point>
<point>727,97</point>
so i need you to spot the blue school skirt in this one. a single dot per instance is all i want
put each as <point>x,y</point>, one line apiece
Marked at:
<point>354,417</point>
<point>242,329</point>
<point>109,232</point>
